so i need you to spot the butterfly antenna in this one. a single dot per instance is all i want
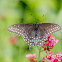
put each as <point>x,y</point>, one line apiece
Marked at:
<point>32,17</point>
<point>42,16</point>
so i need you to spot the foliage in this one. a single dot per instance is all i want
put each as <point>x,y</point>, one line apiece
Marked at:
<point>19,11</point>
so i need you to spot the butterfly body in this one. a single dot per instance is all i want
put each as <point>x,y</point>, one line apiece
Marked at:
<point>34,33</point>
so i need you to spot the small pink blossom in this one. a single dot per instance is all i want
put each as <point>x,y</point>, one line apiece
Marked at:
<point>46,51</point>
<point>32,57</point>
<point>51,53</point>
<point>61,57</point>
<point>56,41</point>
<point>59,54</point>
<point>55,60</point>
<point>53,38</point>
<point>43,59</point>
<point>13,40</point>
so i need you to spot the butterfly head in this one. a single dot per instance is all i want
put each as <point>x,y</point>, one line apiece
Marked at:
<point>35,26</point>
<point>36,22</point>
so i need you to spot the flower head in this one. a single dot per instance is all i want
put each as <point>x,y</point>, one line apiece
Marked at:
<point>49,55</point>
<point>43,59</point>
<point>49,43</point>
<point>32,57</point>
<point>13,40</point>
<point>54,58</point>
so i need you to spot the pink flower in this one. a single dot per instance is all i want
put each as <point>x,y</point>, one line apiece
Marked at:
<point>46,51</point>
<point>56,41</point>
<point>49,55</point>
<point>32,57</point>
<point>55,60</point>
<point>13,40</point>
<point>53,38</point>
<point>43,59</point>
<point>59,54</point>
<point>61,57</point>
<point>49,43</point>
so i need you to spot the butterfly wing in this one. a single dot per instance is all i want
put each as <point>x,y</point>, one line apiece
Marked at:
<point>46,29</point>
<point>50,28</point>
<point>25,30</point>
<point>19,29</point>
<point>41,36</point>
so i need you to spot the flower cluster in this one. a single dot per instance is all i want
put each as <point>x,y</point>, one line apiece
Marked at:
<point>32,57</point>
<point>49,43</point>
<point>53,58</point>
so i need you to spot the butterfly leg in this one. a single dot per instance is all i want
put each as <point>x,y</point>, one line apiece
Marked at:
<point>29,47</point>
<point>34,44</point>
<point>30,44</point>
<point>40,46</point>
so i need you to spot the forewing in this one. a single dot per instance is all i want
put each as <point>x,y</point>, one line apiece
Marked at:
<point>20,29</point>
<point>50,28</point>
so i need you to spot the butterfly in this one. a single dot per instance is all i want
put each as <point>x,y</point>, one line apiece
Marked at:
<point>34,33</point>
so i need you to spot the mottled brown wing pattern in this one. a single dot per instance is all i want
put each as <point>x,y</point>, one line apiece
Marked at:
<point>31,35</point>
<point>25,30</point>
<point>46,29</point>
<point>19,29</point>
<point>50,28</point>
<point>41,35</point>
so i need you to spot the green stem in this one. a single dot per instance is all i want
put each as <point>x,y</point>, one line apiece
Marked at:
<point>39,54</point>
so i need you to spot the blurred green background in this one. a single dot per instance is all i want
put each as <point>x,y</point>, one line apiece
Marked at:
<point>19,11</point>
